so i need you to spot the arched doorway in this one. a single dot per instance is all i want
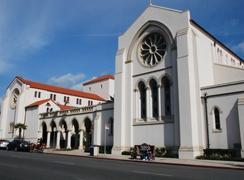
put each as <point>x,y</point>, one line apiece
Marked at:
<point>88,134</point>
<point>63,134</point>
<point>75,138</point>
<point>53,137</point>
<point>44,133</point>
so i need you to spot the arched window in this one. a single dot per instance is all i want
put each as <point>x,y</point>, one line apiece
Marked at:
<point>217,119</point>
<point>167,94</point>
<point>154,95</point>
<point>142,90</point>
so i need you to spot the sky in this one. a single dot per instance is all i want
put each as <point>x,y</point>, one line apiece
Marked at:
<point>66,42</point>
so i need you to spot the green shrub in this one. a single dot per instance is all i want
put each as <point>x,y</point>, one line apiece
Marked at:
<point>218,154</point>
<point>160,152</point>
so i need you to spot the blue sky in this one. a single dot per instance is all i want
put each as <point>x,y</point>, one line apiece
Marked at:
<point>65,42</point>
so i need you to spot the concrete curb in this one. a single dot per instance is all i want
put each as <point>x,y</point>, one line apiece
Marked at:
<point>149,162</point>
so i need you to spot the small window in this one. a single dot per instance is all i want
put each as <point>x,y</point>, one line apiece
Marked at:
<point>77,101</point>
<point>47,110</point>
<point>39,94</point>
<point>54,97</point>
<point>101,86</point>
<point>51,96</point>
<point>89,88</point>
<point>217,119</point>
<point>35,95</point>
<point>80,101</point>
<point>51,109</point>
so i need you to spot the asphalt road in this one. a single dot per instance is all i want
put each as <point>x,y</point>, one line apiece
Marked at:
<point>34,166</point>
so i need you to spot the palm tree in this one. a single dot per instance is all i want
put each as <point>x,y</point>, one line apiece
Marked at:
<point>20,126</point>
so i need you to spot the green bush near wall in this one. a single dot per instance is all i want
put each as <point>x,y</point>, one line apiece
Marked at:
<point>220,154</point>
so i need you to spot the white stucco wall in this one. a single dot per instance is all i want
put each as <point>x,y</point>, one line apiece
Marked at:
<point>225,98</point>
<point>104,89</point>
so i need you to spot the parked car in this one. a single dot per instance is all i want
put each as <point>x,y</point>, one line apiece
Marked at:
<point>19,145</point>
<point>3,144</point>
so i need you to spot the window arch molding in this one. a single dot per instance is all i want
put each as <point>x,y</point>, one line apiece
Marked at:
<point>212,110</point>
<point>136,86</point>
<point>145,30</point>
<point>152,78</point>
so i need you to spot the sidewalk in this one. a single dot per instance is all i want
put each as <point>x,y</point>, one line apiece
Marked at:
<point>168,161</point>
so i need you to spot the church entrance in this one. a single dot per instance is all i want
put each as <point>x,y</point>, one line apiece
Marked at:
<point>88,134</point>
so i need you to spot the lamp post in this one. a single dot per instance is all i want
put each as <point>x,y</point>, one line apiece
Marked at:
<point>105,137</point>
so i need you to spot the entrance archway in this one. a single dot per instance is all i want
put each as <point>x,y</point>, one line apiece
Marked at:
<point>63,134</point>
<point>75,138</point>
<point>44,133</point>
<point>53,137</point>
<point>88,134</point>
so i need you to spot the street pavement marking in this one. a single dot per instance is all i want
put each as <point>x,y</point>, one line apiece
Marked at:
<point>152,173</point>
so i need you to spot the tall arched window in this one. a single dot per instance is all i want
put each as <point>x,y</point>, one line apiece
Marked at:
<point>154,95</point>
<point>167,95</point>
<point>142,89</point>
<point>217,118</point>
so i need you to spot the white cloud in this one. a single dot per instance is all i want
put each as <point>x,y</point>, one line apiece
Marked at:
<point>239,47</point>
<point>73,81</point>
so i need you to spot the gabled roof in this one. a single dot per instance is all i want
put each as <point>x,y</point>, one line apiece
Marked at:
<point>38,103</point>
<point>98,79</point>
<point>61,90</point>
<point>65,107</point>
<point>61,106</point>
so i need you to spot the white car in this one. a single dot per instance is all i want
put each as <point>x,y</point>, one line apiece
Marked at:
<point>3,144</point>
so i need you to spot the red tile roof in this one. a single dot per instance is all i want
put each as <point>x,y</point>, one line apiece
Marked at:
<point>98,79</point>
<point>37,103</point>
<point>64,107</point>
<point>61,90</point>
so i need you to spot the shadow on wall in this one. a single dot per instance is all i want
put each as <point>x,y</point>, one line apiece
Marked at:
<point>233,129</point>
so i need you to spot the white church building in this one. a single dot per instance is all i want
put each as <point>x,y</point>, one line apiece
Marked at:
<point>175,86</point>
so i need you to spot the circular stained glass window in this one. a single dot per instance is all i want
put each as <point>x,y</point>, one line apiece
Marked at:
<point>152,49</point>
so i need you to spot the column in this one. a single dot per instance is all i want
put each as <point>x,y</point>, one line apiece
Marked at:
<point>241,123</point>
<point>159,103</point>
<point>69,140</point>
<point>148,99</point>
<point>136,104</point>
<point>48,139</point>
<point>58,140</point>
<point>81,139</point>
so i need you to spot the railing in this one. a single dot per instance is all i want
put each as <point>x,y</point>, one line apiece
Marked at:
<point>81,110</point>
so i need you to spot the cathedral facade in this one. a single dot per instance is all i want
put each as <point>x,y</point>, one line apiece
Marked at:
<point>175,86</point>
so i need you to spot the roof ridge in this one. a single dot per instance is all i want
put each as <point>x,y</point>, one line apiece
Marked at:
<point>59,89</point>
<point>99,78</point>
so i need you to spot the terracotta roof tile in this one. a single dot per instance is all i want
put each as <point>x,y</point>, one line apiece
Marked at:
<point>37,103</point>
<point>61,106</point>
<point>65,107</point>
<point>61,90</point>
<point>98,79</point>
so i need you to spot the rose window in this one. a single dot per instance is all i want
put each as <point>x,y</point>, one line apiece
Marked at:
<point>152,49</point>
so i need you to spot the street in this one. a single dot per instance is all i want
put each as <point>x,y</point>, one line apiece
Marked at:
<point>25,166</point>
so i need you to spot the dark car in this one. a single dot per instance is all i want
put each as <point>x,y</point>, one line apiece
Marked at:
<point>19,145</point>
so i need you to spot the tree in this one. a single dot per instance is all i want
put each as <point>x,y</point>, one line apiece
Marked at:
<point>20,126</point>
